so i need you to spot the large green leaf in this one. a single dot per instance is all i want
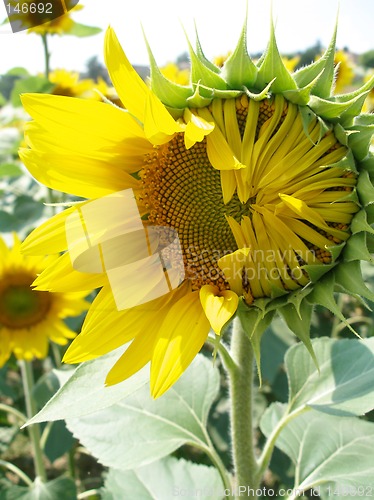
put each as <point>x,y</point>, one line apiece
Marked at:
<point>139,430</point>
<point>344,384</point>
<point>331,454</point>
<point>164,479</point>
<point>62,488</point>
<point>85,391</point>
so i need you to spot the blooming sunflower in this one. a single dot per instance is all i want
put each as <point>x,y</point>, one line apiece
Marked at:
<point>28,318</point>
<point>265,177</point>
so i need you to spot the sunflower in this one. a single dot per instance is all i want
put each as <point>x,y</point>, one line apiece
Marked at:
<point>68,83</point>
<point>264,176</point>
<point>30,319</point>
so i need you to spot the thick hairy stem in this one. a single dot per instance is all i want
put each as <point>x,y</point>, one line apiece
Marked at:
<point>241,388</point>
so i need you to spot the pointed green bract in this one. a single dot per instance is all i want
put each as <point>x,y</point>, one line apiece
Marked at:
<point>349,277</point>
<point>239,69</point>
<point>299,322</point>
<point>170,93</point>
<point>201,56</point>
<point>273,67</point>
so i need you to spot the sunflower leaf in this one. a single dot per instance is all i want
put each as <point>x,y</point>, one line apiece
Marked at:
<point>62,488</point>
<point>165,478</point>
<point>138,430</point>
<point>334,389</point>
<point>329,453</point>
<point>85,391</point>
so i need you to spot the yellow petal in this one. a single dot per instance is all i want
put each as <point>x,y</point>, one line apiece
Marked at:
<point>75,174</point>
<point>140,351</point>
<point>106,328</point>
<point>61,277</point>
<point>80,123</point>
<point>181,336</point>
<point>232,266</point>
<point>159,125</point>
<point>50,237</point>
<point>131,89</point>
<point>196,129</point>
<point>4,346</point>
<point>219,307</point>
<point>220,154</point>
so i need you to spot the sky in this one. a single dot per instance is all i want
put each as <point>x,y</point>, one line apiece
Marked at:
<point>299,24</point>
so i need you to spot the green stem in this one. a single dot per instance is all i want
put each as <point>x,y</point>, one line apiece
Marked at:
<point>31,410</point>
<point>241,385</point>
<point>71,462</point>
<point>89,493</point>
<point>13,411</point>
<point>268,449</point>
<point>47,55</point>
<point>18,472</point>
<point>217,462</point>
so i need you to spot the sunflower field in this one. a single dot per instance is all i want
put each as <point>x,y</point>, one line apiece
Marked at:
<point>186,257</point>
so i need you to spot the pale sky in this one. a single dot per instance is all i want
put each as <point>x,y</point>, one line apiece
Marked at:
<point>299,24</point>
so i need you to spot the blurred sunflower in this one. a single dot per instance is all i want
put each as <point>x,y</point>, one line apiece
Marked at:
<point>175,74</point>
<point>68,83</point>
<point>291,62</point>
<point>30,319</point>
<point>344,73</point>
<point>369,103</point>
<point>260,172</point>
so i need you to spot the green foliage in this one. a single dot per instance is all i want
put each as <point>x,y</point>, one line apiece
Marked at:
<point>166,478</point>
<point>329,453</point>
<point>82,30</point>
<point>367,59</point>
<point>62,488</point>
<point>126,422</point>
<point>333,388</point>
<point>29,84</point>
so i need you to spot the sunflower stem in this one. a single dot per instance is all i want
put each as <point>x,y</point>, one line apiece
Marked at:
<point>31,410</point>
<point>47,55</point>
<point>217,462</point>
<point>17,471</point>
<point>241,386</point>
<point>12,411</point>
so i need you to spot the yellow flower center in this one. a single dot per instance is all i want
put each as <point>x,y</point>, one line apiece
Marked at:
<point>20,306</point>
<point>286,207</point>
